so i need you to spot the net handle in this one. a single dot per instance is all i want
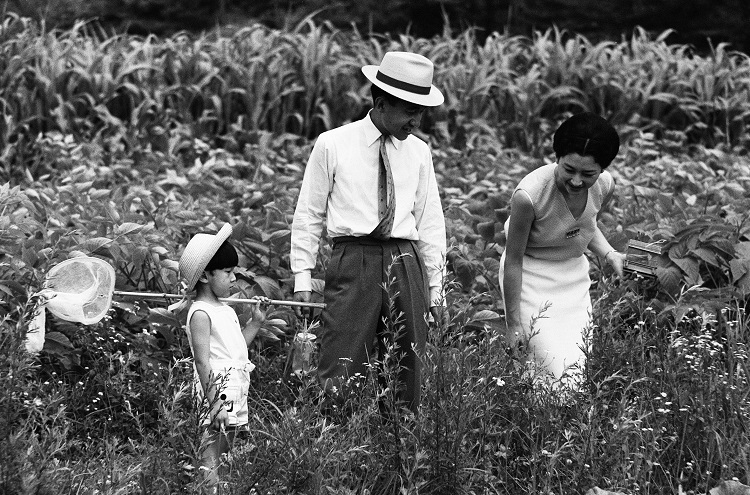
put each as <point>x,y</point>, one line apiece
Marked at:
<point>164,295</point>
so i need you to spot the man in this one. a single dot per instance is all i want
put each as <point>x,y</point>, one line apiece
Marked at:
<point>373,184</point>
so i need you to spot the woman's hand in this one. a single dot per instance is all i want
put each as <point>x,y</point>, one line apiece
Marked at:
<point>519,228</point>
<point>600,247</point>
<point>616,260</point>
<point>513,339</point>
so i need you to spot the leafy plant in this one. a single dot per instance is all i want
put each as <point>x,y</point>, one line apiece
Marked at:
<point>124,147</point>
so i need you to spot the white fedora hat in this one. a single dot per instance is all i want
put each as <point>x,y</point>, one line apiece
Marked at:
<point>407,76</point>
<point>198,253</point>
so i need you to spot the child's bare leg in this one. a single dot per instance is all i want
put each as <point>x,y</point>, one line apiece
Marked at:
<point>216,445</point>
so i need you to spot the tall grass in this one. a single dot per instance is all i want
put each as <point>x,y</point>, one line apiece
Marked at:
<point>661,410</point>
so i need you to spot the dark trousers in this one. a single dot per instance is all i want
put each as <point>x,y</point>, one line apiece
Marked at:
<point>356,303</point>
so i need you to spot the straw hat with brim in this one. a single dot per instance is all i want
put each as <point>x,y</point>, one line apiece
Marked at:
<point>407,76</point>
<point>198,253</point>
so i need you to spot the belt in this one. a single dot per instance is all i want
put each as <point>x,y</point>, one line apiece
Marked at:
<point>235,364</point>
<point>366,240</point>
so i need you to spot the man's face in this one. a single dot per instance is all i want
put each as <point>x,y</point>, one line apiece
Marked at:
<point>401,117</point>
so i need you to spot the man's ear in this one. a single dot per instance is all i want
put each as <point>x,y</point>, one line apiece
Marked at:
<point>204,277</point>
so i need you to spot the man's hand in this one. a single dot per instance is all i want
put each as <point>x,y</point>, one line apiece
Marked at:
<point>303,296</point>
<point>440,316</point>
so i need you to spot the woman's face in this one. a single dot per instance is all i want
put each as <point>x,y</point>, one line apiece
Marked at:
<point>575,174</point>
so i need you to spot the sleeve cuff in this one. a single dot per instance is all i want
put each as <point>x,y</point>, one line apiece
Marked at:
<point>302,281</point>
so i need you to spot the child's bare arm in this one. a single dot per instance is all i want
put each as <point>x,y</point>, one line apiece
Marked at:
<point>256,321</point>
<point>200,328</point>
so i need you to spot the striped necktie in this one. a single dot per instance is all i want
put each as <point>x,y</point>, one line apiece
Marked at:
<point>386,195</point>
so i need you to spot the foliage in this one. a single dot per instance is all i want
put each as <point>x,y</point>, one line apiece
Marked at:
<point>109,408</point>
<point>700,23</point>
<point>704,223</point>
<point>152,93</point>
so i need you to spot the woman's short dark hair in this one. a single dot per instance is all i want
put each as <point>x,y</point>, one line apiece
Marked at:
<point>587,134</point>
<point>376,92</point>
<point>225,257</point>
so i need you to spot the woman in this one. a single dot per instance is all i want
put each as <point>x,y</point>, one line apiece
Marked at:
<point>544,273</point>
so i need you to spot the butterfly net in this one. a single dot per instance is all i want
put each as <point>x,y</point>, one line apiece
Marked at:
<point>80,289</point>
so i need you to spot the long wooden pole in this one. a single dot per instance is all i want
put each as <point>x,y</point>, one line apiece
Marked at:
<point>228,300</point>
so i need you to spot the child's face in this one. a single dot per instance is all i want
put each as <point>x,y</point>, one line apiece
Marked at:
<point>221,281</point>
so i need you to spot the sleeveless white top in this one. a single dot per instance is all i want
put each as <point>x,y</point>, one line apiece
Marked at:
<point>227,344</point>
<point>555,234</point>
<point>227,358</point>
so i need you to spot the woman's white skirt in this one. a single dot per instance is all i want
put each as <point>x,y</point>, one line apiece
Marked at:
<point>562,287</point>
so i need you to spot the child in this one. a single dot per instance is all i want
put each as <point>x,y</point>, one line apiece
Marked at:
<point>218,344</point>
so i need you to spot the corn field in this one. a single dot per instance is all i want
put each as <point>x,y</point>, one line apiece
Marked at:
<point>224,88</point>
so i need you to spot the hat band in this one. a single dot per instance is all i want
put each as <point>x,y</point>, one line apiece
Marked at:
<point>412,88</point>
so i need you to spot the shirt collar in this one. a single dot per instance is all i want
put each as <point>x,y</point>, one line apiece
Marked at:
<point>372,134</point>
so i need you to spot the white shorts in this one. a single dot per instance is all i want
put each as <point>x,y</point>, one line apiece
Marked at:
<point>233,380</point>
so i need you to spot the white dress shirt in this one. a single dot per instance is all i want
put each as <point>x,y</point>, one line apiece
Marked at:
<point>340,188</point>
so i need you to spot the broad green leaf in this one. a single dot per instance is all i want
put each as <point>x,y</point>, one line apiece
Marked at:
<point>670,278</point>
<point>280,235</point>
<point>742,250</point>
<point>690,268</point>
<point>95,244</point>
<point>12,288</point>
<point>163,316</point>
<point>160,250</point>
<point>258,247</point>
<point>56,341</point>
<point>743,283</point>
<point>268,286</point>
<point>99,193</point>
<point>485,315</point>
<point>6,289</point>
<point>128,228</point>
<point>730,487</point>
<point>318,285</point>
<point>170,265</point>
<point>274,330</point>
<point>58,345</point>
<point>265,333</point>
<point>706,255</point>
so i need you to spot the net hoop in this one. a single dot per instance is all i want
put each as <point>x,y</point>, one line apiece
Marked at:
<point>80,289</point>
